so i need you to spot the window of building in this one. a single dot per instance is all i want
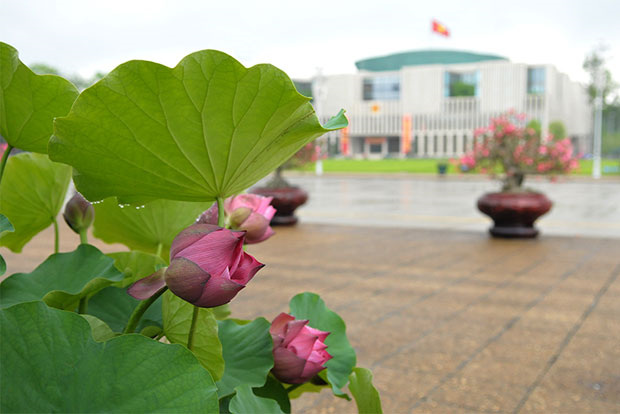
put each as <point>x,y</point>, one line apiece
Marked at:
<point>536,81</point>
<point>461,83</point>
<point>381,88</point>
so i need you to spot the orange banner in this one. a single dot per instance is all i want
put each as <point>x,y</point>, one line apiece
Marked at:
<point>405,145</point>
<point>344,141</point>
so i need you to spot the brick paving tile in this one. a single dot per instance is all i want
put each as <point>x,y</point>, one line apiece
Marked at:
<point>450,322</point>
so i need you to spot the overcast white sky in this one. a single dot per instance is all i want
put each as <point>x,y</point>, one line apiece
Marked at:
<point>82,36</point>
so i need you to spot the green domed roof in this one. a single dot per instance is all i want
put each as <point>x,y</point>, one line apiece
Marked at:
<point>397,61</point>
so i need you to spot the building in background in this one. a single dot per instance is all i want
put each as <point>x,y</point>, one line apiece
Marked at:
<point>428,103</point>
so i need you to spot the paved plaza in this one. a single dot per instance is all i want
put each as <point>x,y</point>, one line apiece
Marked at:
<point>582,206</point>
<point>455,322</point>
<point>449,320</point>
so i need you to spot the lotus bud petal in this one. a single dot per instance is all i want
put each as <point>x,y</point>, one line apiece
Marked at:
<point>210,216</point>
<point>299,351</point>
<point>79,213</point>
<point>148,286</point>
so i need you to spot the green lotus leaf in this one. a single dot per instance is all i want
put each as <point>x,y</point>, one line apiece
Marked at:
<point>62,279</point>
<point>114,306</point>
<point>135,265</point>
<point>32,192</point>
<point>146,227</point>
<point>311,307</point>
<point>51,363</point>
<point>221,312</point>
<point>366,395</point>
<point>207,128</point>
<point>100,330</point>
<point>30,102</point>
<point>274,390</point>
<point>5,226</point>
<point>248,353</point>
<point>177,315</point>
<point>245,401</point>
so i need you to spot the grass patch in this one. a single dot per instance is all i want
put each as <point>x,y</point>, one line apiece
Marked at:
<point>429,166</point>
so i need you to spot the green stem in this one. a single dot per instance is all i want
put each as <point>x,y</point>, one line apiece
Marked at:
<point>83,305</point>
<point>5,157</point>
<point>159,249</point>
<point>56,236</point>
<point>140,309</point>
<point>190,336</point>
<point>293,387</point>
<point>84,236</point>
<point>221,218</point>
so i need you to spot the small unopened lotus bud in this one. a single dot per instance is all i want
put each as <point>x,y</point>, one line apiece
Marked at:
<point>238,216</point>
<point>79,213</point>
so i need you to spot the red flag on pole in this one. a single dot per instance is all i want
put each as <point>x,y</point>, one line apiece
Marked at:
<point>440,28</point>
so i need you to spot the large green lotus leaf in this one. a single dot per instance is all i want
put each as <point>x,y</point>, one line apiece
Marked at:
<point>62,279</point>
<point>365,394</point>
<point>114,306</point>
<point>207,128</point>
<point>50,363</point>
<point>32,192</point>
<point>177,315</point>
<point>5,226</point>
<point>274,390</point>
<point>311,307</point>
<point>146,227</point>
<point>248,353</point>
<point>245,402</point>
<point>135,265</point>
<point>30,102</point>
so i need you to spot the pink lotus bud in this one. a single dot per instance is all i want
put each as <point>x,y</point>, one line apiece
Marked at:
<point>299,351</point>
<point>208,266</point>
<point>252,214</point>
<point>79,213</point>
<point>210,216</point>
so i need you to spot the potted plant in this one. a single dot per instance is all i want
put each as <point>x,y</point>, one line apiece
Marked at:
<point>285,196</point>
<point>442,167</point>
<point>509,151</point>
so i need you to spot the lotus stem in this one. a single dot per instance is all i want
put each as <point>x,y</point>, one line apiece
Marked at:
<point>5,157</point>
<point>140,309</point>
<point>190,336</point>
<point>56,236</point>
<point>83,305</point>
<point>221,218</point>
<point>160,247</point>
<point>84,236</point>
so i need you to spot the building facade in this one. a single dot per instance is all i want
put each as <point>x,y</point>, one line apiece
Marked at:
<point>428,103</point>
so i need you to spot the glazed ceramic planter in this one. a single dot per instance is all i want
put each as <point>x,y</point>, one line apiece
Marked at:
<point>514,213</point>
<point>285,201</point>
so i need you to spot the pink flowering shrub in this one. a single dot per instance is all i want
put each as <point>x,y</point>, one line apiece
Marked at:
<point>513,151</point>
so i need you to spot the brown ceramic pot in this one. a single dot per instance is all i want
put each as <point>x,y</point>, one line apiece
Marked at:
<point>514,213</point>
<point>285,201</point>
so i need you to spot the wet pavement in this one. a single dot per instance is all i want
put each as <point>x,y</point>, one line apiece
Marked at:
<point>456,322</point>
<point>582,206</point>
